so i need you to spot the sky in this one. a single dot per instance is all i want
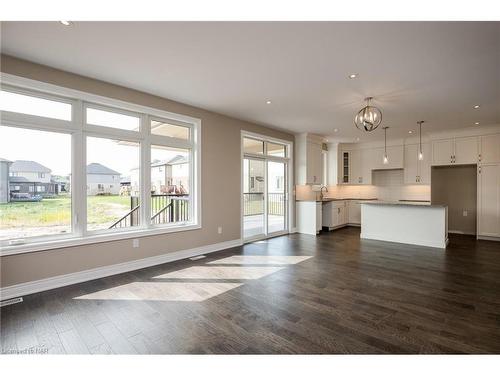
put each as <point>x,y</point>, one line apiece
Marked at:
<point>53,150</point>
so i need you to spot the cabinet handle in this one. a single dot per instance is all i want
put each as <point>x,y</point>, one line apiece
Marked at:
<point>479,169</point>
<point>479,157</point>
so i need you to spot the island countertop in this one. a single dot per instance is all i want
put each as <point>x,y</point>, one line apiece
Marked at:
<point>406,203</point>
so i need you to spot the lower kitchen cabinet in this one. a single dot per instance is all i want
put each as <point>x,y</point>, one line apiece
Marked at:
<point>488,186</point>
<point>354,212</point>
<point>309,215</point>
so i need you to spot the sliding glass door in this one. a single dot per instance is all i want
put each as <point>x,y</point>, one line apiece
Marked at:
<point>254,222</point>
<point>265,188</point>
<point>276,197</point>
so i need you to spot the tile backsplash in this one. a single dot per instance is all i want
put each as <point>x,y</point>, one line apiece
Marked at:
<point>386,185</point>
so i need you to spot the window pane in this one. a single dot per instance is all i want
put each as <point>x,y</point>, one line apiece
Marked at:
<point>170,185</point>
<point>276,149</point>
<point>169,130</point>
<point>31,105</point>
<point>253,146</point>
<point>112,200</point>
<point>112,119</point>
<point>35,170</point>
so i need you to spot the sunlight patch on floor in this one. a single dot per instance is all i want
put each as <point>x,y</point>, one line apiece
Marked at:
<point>261,259</point>
<point>160,291</point>
<point>225,272</point>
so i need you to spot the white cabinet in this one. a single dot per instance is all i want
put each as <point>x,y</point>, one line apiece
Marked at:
<point>395,156</point>
<point>334,214</point>
<point>490,149</point>
<point>466,150</point>
<point>309,217</point>
<point>354,212</point>
<point>356,166</point>
<point>489,200</point>
<point>366,166</point>
<point>309,163</point>
<point>455,151</point>
<point>417,171</point>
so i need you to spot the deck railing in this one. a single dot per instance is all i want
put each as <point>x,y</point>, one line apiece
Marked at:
<point>253,204</point>
<point>165,208</point>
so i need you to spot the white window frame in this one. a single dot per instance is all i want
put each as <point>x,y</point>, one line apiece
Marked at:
<point>79,130</point>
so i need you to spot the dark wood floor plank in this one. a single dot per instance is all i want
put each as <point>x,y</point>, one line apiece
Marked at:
<point>348,296</point>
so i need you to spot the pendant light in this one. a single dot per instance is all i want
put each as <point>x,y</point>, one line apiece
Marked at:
<point>420,153</point>
<point>386,159</point>
<point>368,117</point>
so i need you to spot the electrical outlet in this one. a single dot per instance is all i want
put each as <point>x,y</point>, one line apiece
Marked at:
<point>219,230</point>
<point>465,213</point>
<point>135,242</point>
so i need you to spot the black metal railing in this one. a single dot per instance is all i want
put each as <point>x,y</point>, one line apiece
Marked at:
<point>253,204</point>
<point>165,208</point>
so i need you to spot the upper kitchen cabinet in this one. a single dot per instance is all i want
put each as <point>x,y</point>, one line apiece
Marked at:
<point>355,166</point>
<point>309,163</point>
<point>417,171</point>
<point>395,156</point>
<point>452,151</point>
<point>490,149</point>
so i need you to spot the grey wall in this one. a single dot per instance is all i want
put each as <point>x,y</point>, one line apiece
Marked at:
<point>456,187</point>
<point>220,184</point>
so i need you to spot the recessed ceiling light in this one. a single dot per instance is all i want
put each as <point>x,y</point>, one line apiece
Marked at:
<point>335,130</point>
<point>353,75</point>
<point>357,139</point>
<point>65,23</point>
<point>476,123</point>
<point>409,132</point>
<point>477,106</point>
<point>268,102</point>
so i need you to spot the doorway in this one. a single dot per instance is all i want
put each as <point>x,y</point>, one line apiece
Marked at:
<point>265,187</point>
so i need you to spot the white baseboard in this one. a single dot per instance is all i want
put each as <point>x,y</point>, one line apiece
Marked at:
<point>461,232</point>
<point>36,286</point>
<point>488,238</point>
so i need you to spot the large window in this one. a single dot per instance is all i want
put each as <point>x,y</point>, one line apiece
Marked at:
<point>75,167</point>
<point>35,188</point>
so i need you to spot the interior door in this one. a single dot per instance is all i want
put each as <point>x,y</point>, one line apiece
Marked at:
<point>276,197</point>
<point>254,188</point>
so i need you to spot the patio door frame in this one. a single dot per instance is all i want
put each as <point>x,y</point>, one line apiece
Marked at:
<point>288,161</point>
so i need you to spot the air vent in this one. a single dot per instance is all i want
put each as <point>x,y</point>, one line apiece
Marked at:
<point>11,301</point>
<point>197,257</point>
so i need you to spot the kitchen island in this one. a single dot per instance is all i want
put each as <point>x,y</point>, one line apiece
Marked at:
<point>405,222</point>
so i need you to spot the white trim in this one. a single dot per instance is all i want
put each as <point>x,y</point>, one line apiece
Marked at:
<point>95,238</point>
<point>462,232</point>
<point>488,238</point>
<point>30,287</point>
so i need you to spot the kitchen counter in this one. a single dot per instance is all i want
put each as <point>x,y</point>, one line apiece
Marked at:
<point>336,199</point>
<point>407,203</point>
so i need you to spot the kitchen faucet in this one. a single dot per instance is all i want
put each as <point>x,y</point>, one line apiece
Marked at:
<point>321,192</point>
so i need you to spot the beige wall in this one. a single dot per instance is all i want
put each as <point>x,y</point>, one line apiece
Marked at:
<point>456,187</point>
<point>220,182</point>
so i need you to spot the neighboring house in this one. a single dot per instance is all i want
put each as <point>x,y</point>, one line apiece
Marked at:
<point>253,177</point>
<point>27,176</point>
<point>102,180</point>
<point>167,176</point>
<point>62,183</point>
<point>4,180</point>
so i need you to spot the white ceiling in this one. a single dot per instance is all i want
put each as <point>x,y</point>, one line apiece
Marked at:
<point>415,70</point>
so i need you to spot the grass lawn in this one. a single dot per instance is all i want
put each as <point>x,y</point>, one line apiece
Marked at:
<point>57,211</point>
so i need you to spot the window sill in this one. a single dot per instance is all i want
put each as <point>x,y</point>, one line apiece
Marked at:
<point>94,239</point>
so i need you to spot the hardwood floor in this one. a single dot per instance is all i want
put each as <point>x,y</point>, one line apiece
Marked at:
<point>293,294</point>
